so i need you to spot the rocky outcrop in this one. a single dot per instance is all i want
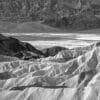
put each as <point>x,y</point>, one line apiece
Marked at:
<point>52,51</point>
<point>10,46</point>
<point>72,77</point>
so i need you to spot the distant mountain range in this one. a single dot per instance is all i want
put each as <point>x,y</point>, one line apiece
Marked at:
<point>74,14</point>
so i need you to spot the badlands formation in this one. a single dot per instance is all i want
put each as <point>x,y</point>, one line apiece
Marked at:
<point>56,73</point>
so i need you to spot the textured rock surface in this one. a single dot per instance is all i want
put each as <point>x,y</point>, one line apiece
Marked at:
<point>10,46</point>
<point>71,74</point>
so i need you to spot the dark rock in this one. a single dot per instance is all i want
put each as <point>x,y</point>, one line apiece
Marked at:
<point>19,55</point>
<point>98,44</point>
<point>13,47</point>
<point>6,75</point>
<point>86,76</point>
<point>33,49</point>
<point>52,51</point>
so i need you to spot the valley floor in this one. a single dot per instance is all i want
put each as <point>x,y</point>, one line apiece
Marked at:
<point>69,40</point>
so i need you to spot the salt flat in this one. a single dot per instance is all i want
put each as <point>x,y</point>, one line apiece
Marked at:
<point>69,40</point>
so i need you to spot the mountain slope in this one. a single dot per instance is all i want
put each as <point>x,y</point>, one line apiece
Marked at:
<point>10,46</point>
<point>71,74</point>
<point>66,14</point>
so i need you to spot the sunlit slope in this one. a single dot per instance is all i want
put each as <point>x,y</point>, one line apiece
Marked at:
<point>67,75</point>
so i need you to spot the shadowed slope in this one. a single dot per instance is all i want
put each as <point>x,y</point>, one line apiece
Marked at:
<point>12,47</point>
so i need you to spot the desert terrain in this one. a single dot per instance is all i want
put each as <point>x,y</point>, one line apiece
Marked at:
<point>49,66</point>
<point>49,49</point>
